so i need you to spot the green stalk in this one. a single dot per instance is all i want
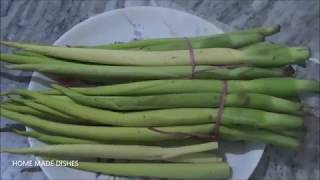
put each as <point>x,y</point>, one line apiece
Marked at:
<point>41,111</point>
<point>103,133</point>
<point>32,54</point>
<point>188,100</point>
<point>58,139</point>
<point>126,152</point>
<point>169,117</point>
<point>210,56</point>
<point>281,87</point>
<point>145,135</point>
<point>19,59</point>
<point>49,111</point>
<point>103,73</point>
<point>296,134</point>
<point>54,139</point>
<point>226,40</point>
<point>204,157</point>
<point>234,39</point>
<point>263,48</point>
<point>266,31</point>
<point>278,51</point>
<point>22,109</point>
<point>193,171</point>
<point>199,157</point>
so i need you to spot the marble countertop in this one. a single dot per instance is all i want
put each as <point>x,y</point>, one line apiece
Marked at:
<point>46,20</point>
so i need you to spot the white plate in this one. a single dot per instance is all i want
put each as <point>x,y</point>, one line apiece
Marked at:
<point>136,23</point>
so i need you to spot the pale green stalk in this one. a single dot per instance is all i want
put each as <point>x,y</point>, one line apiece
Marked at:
<point>225,40</point>
<point>281,87</point>
<point>19,59</point>
<point>208,157</point>
<point>146,135</point>
<point>205,157</point>
<point>49,112</point>
<point>22,109</point>
<point>32,54</point>
<point>54,139</point>
<point>187,100</point>
<point>104,73</point>
<point>233,39</point>
<point>169,117</point>
<point>127,152</point>
<point>192,171</point>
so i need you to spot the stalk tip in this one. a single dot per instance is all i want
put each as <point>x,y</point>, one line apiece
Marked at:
<point>300,53</point>
<point>19,132</point>
<point>8,43</point>
<point>268,30</point>
<point>11,150</point>
<point>271,30</point>
<point>12,66</point>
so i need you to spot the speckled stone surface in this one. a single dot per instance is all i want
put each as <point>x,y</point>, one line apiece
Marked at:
<point>46,20</point>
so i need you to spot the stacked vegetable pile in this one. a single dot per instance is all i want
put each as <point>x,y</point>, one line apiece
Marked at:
<point>231,86</point>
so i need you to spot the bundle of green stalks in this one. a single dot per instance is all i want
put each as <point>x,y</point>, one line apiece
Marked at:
<point>103,73</point>
<point>168,104</point>
<point>234,55</point>
<point>145,135</point>
<point>161,105</point>
<point>166,125</point>
<point>209,56</point>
